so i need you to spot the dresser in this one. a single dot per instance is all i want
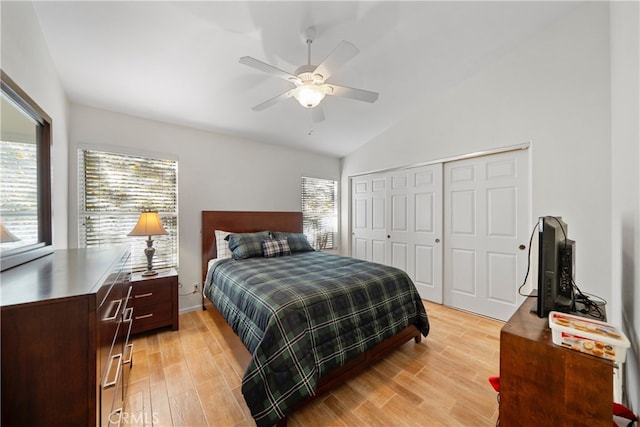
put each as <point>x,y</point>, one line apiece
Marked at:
<point>65,354</point>
<point>542,384</point>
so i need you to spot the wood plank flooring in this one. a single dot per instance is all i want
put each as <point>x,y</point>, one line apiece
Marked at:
<point>190,378</point>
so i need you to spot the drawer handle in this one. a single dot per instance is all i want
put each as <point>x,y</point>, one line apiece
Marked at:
<point>116,312</point>
<point>148,294</point>
<point>128,349</point>
<point>115,378</point>
<point>128,295</point>
<point>144,316</point>
<point>128,314</point>
<point>112,417</point>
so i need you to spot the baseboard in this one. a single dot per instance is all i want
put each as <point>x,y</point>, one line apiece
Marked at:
<point>188,309</point>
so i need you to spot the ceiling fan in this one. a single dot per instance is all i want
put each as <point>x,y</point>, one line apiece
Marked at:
<point>311,81</point>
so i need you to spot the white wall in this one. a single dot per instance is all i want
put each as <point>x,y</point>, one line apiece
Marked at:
<point>26,60</point>
<point>215,172</point>
<point>552,91</point>
<point>625,139</point>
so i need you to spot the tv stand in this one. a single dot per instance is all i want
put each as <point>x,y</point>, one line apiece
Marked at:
<point>543,384</point>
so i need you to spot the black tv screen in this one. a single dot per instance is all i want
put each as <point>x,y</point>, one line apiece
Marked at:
<point>556,254</point>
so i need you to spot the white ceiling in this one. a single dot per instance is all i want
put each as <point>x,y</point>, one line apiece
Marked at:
<point>177,61</point>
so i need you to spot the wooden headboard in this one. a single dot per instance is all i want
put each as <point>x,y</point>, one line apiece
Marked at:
<point>242,222</point>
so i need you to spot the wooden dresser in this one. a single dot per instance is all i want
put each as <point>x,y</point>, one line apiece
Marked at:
<point>65,325</point>
<point>542,384</point>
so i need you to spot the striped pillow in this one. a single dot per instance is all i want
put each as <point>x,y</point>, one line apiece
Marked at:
<point>274,248</point>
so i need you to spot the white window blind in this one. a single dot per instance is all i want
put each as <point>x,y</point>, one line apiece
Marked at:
<point>19,193</point>
<point>319,211</point>
<point>114,189</point>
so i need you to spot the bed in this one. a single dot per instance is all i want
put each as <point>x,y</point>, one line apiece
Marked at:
<point>303,323</point>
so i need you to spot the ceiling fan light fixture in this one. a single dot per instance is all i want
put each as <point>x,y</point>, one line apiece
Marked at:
<point>310,79</point>
<point>309,95</point>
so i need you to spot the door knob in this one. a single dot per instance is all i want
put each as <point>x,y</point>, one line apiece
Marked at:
<point>437,240</point>
<point>522,247</point>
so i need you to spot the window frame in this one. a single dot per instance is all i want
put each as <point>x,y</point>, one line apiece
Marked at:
<point>44,245</point>
<point>128,155</point>
<point>334,232</point>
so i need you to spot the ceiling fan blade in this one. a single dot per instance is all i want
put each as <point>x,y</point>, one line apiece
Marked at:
<point>263,66</point>
<point>317,114</point>
<point>336,59</point>
<point>269,102</point>
<point>349,92</point>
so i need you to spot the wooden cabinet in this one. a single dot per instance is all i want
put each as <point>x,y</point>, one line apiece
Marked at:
<point>63,320</point>
<point>542,384</point>
<point>155,301</point>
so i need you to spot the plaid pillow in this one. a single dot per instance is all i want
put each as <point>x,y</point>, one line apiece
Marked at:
<point>247,245</point>
<point>297,241</point>
<point>273,248</point>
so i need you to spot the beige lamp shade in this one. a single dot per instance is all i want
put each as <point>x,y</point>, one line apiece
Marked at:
<point>149,224</point>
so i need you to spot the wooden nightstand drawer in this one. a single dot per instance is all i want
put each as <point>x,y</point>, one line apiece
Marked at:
<point>151,292</point>
<point>154,300</point>
<point>151,316</point>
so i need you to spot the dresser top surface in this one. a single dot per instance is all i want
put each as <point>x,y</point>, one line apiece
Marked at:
<point>62,274</point>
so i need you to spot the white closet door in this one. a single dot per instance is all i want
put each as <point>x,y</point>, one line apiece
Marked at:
<point>486,205</point>
<point>414,206</point>
<point>368,221</point>
<point>397,220</point>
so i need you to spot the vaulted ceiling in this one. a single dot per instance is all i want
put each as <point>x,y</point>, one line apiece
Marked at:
<point>177,61</point>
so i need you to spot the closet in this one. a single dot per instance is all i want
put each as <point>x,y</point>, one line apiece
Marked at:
<point>459,228</point>
<point>397,220</point>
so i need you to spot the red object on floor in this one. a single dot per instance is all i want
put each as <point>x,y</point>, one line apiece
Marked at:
<point>495,383</point>
<point>625,413</point>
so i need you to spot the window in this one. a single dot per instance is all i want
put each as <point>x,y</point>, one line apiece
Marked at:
<point>319,212</point>
<point>114,189</point>
<point>25,169</point>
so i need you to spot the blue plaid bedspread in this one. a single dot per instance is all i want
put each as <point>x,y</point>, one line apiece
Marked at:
<point>301,316</point>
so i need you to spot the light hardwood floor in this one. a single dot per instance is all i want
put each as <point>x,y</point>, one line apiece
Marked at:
<point>190,378</point>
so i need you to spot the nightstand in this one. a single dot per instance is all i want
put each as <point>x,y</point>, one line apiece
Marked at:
<point>155,301</point>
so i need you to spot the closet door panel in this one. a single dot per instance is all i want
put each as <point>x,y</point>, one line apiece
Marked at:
<point>404,227</point>
<point>368,219</point>
<point>486,205</point>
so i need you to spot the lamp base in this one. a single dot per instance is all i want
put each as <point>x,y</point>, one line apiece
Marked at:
<point>149,251</point>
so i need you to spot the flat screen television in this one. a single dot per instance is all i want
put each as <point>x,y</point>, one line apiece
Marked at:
<point>556,266</point>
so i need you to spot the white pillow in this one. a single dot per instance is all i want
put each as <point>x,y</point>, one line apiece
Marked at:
<point>222,245</point>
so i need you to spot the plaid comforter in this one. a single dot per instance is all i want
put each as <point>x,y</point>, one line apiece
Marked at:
<point>303,315</point>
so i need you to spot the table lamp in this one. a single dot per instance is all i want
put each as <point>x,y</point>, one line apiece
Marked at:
<point>149,224</point>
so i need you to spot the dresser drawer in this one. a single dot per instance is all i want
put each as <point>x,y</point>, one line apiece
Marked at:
<point>152,292</point>
<point>109,318</point>
<point>151,316</point>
